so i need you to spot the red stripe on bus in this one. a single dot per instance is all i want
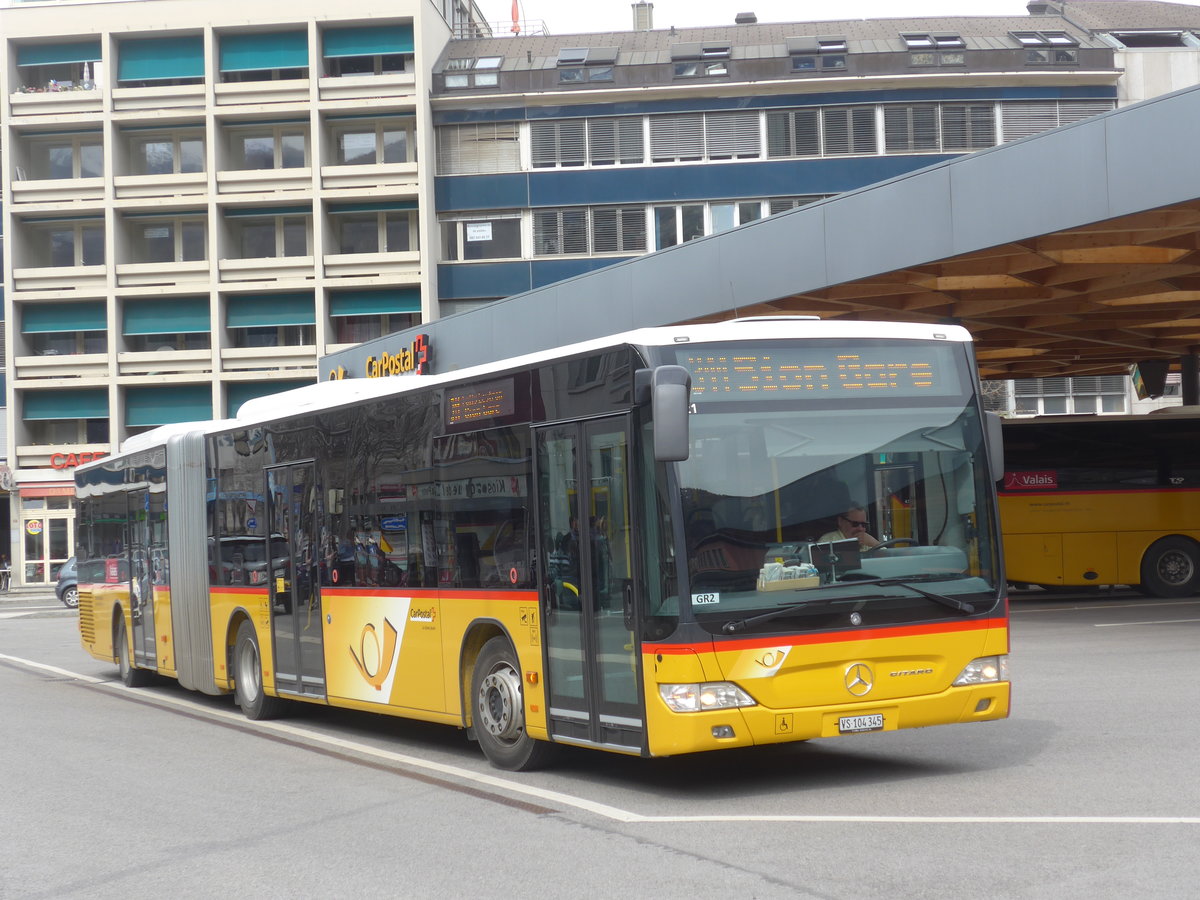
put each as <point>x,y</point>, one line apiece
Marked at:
<point>431,593</point>
<point>256,590</point>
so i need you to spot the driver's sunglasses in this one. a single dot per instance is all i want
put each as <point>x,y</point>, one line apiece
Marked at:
<point>857,523</point>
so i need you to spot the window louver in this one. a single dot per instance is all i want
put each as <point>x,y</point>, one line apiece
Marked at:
<point>732,135</point>
<point>479,149</point>
<point>679,138</point>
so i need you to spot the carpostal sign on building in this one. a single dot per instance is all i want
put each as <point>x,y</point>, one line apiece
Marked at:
<point>382,361</point>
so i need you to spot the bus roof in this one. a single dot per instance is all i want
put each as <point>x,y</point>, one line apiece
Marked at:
<point>329,394</point>
<point>332,394</point>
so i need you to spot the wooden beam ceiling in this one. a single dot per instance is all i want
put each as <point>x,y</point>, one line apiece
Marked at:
<point>1085,301</point>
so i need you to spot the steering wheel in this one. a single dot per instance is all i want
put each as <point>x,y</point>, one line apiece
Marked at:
<point>883,545</point>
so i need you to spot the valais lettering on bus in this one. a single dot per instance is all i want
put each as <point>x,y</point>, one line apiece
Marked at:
<point>1031,481</point>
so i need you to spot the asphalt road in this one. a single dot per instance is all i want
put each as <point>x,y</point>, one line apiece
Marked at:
<point>1090,789</point>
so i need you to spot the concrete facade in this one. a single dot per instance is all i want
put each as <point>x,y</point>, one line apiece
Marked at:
<point>200,199</point>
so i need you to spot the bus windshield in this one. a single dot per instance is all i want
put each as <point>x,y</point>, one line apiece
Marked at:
<point>776,483</point>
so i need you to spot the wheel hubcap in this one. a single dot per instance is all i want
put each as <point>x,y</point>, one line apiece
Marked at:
<point>500,704</point>
<point>1175,568</point>
<point>248,674</point>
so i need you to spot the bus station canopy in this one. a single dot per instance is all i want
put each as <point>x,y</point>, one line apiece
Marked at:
<point>1073,252</point>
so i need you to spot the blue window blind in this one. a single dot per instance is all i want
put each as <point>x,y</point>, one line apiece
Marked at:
<point>165,405</point>
<point>369,41</point>
<point>52,318</point>
<point>257,52</point>
<point>383,206</point>
<point>263,310</point>
<point>56,54</point>
<point>179,315</point>
<point>373,303</point>
<point>79,403</point>
<point>155,59</point>
<point>240,392</point>
<point>258,212</point>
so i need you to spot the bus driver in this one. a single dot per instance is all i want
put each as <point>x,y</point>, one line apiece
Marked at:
<point>851,524</point>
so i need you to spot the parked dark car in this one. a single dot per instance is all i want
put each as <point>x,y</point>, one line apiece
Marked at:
<point>67,587</point>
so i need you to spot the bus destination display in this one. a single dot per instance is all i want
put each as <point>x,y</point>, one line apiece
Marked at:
<point>817,371</point>
<point>480,402</point>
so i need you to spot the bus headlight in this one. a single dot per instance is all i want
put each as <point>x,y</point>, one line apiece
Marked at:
<point>985,670</point>
<point>701,697</point>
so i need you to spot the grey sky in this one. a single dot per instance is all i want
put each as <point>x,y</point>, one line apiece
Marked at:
<point>578,16</point>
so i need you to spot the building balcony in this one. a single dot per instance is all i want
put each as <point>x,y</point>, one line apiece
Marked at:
<point>55,103</point>
<point>73,191</point>
<point>367,87</point>
<point>392,178</point>
<point>159,363</point>
<point>403,268</point>
<point>273,269</point>
<point>68,366</point>
<point>82,279</point>
<point>301,360</point>
<point>163,274</point>
<point>136,187</point>
<point>179,96</point>
<point>258,92</point>
<point>264,181</point>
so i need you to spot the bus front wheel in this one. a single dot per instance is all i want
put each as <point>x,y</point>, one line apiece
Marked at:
<point>1171,568</point>
<point>247,678</point>
<point>498,711</point>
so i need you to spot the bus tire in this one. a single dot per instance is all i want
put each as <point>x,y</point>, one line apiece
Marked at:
<point>1171,568</point>
<point>248,679</point>
<point>131,675</point>
<point>498,711</point>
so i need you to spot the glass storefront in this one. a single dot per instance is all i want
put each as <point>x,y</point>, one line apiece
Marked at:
<point>46,519</point>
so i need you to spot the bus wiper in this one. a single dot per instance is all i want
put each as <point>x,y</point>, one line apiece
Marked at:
<point>735,625</point>
<point>953,602</point>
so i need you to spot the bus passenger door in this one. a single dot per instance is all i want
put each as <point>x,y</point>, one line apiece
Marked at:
<point>293,580</point>
<point>141,590</point>
<point>588,579</point>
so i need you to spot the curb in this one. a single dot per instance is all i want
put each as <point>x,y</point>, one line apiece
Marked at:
<point>24,595</point>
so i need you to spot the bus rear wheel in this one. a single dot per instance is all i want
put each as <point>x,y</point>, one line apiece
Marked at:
<point>1171,568</point>
<point>498,711</point>
<point>247,678</point>
<point>131,675</point>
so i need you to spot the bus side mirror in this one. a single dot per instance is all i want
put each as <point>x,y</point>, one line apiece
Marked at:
<point>995,444</point>
<point>670,394</point>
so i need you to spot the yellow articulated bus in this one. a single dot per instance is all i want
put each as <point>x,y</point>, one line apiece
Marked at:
<point>628,544</point>
<point>1103,500</point>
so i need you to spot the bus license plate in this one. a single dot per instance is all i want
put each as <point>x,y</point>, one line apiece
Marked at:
<point>855,724</point>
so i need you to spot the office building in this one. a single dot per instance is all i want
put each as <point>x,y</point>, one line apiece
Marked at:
<point>200,199</point>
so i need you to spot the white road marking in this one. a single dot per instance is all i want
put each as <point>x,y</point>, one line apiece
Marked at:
<point>568,800</point>
<point>1154,622</point>
<point>1139,605</point>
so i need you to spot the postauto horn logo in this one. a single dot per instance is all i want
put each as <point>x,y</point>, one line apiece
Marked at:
<point>374,662</point>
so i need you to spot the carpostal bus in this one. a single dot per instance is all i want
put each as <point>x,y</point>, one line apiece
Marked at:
<point>1102,500</point>
<point>622,544</point>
